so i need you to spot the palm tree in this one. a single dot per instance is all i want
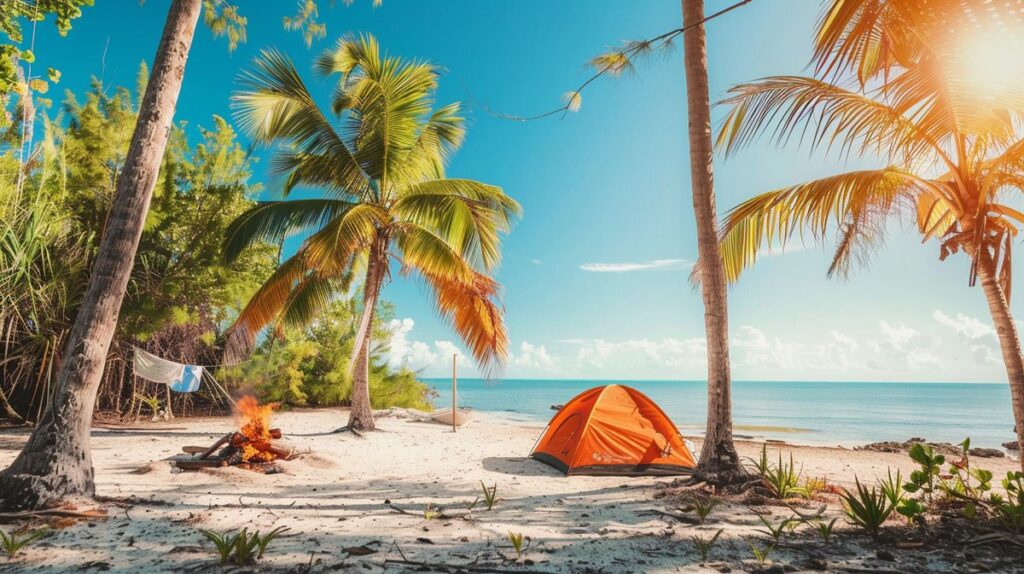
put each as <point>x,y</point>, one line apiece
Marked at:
<point>382,170</point>
<point>718,462</point>
<point>56,462</point>
<point>954,155</point>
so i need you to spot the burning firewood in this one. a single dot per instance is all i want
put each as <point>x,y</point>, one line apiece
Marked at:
<point>251,446</point>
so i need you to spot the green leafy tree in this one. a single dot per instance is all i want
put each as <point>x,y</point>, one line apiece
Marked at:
<point>381,169</point>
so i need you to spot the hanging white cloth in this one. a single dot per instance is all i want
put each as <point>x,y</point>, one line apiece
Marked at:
<point>153,368</point>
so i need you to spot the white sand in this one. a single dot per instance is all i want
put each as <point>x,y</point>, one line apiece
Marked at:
<point>346,492</point>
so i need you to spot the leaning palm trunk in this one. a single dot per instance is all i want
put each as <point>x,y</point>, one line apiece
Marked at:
<point>361,411</point>
<point>56,462</point>
<point>1009,342</point>
<point>719,462</point>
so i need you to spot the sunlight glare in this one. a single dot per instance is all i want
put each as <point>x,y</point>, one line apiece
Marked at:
<point>990,64</point>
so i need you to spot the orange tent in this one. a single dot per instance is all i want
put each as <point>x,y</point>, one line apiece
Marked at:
<point>613,430</point>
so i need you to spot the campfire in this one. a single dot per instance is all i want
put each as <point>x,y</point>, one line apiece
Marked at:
<point>254,446</point>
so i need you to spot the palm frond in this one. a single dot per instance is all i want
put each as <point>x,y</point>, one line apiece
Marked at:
<point>263,307</point>
<point>854,201</point>
<point>385,98</point>
<point>825,114</point>
<point>277,106</point>
<point>467,214</point>
<point>866,37</point>
<point>430,254</point>
<point>272,221</point>
<point>333,249</point>
<point>310,298</point>
<point>438,139</point>
<point>472,309</point>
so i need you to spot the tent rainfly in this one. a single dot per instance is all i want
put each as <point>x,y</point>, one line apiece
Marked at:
<point>614,430</point>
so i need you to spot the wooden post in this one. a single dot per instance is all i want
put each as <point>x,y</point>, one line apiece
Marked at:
<point>454,412</point>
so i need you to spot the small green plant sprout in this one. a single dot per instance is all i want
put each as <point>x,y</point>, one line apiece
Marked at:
<point>471,505</point>
<point>223,542</point>
<point>825,529</point>
<point>923,479</point>
<point>892,487</point>
<point>12,543</point>
<point>912,510</point>
<point>704,545</point>
<point>1010,510</point>
<point>783,479</point>
<point>761,554</point>
<point>429,513</point>
<point>814,485</point>
<point>264,540</point>
<point>761,464</point>
<point>776,531</point>
<point>703,506</point>
<point>242,545</point>
<point>490,495</point>
<point>867,508</point>
<point>246,547</point>
<point>516,538</point>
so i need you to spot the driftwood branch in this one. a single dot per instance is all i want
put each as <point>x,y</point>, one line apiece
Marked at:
<point>52,512</point>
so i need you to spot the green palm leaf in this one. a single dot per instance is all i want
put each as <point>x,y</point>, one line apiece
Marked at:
<point>277,106</point>
<point>272,221</point>
<point>854,202</point>
<point>468,214</point>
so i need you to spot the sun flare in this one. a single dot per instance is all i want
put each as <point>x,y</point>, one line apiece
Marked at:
<point>989,64</point>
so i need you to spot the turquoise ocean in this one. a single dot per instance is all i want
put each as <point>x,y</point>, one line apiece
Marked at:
<point>819,413</point>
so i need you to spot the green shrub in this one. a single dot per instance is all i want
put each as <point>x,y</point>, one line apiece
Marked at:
<point>867,508</point>
<point>310,367</point>
<point>924,479</point>
<point>243,546</point>
<point>782,478</point>
<point>1010,509</point>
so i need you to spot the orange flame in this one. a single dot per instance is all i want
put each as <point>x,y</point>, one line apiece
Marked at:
<point>254,424</point>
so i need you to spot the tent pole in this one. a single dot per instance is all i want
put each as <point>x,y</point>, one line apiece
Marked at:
<point>454,412</point>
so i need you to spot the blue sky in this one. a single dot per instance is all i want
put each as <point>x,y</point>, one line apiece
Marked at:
<point>595,274</point>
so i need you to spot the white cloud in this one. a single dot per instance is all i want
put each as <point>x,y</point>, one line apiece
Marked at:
<point>636,266</point>
<point>531,355</point>
<point>536,261</point>
<point>964,325</point>
<point>932,350</point>
<point>402,352</point>
<point>986,355</point>
<point>898,335</point>
<point>846,341</point>
<point>446,349</point>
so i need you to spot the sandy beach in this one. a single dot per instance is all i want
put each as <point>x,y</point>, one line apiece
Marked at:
<point>364,503</point>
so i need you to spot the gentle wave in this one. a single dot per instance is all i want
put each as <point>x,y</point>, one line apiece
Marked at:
<point>829,413</point>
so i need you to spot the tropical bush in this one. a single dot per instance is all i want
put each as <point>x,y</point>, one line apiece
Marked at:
<point>310,366</point>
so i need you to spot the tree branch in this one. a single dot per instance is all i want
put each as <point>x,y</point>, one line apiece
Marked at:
<point>622,60</point>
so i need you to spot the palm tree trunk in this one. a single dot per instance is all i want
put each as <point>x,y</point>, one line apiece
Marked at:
<point>361,411</point>
<point>56,462</point>
<point>719,463</point>
<point>1009,342</point>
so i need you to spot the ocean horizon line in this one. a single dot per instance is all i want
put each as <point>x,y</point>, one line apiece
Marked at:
<point>757,381</point>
